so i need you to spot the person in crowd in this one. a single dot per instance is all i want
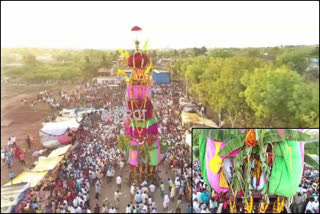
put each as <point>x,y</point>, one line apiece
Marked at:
<point>119,181</point>
<point>11,175</point>
<point>166,202</point>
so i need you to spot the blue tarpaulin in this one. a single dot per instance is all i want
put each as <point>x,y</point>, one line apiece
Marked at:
<point>161,76</point>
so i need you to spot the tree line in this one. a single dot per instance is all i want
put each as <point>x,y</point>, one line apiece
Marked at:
<point>255,88</point>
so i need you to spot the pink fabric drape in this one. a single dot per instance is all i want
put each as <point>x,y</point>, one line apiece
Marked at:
<point>214,179</point>
<point>138,91</point>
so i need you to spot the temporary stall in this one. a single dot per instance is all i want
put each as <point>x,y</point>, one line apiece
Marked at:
<point>161,76</point>
<point>33,178</point>
<point>51,131</point>
<point>11,195</point>
<point>59,128</point>
<point>47,163</point>
<point>59,151</point>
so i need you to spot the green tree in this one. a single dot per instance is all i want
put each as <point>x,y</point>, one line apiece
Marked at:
<point>270,93</point>
<point>220,87</point>
<point>305,105</point>
<point>296,60</point>
<point>195,69</point>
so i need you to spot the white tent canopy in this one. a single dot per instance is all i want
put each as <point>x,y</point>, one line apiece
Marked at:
<point>59,128</point>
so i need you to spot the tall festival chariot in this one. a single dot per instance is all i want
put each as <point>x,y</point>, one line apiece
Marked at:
<point>142,137</point>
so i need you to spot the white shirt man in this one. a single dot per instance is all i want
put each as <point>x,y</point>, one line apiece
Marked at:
<point>144,197</point>
<point>144,183</point>
<point>119,180</point>
<point>152,188</point>
<point>10,141</point>
<point>162,187</point>
<point>104,209</point>
<point>117,196</point>
<point>312,206</point>
<point>132,189</point>
<point>75,202</point>
<point>177,183</point>
<point>150,200</point>
<point>109,173</point>
<point>145,189</point>
<point>112,210</point>
<point>198,195</point>
<point>145,207</point>
<point>205,210</point>
<point>196,207</point>
<point>128,209</point>
<point>78,209</point>
<point>121,164</point>
<point>71,209</point>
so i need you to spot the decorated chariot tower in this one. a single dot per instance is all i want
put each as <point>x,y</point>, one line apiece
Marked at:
<point>141,130</point>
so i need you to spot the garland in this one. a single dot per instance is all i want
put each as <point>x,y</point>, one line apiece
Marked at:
<point>278,206</point>
<point>233,208</point>
<point>263,208</point>
<point>144,106</point>
<point>249,205</point>
<point>274,209</point>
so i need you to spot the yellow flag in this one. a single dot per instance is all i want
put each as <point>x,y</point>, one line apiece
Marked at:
<point>121,51</point>
<point>126,54</point>
<point>121,72</point>
<point>149,67</point>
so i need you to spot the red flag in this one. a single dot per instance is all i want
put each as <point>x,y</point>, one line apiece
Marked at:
<point>136,28</point>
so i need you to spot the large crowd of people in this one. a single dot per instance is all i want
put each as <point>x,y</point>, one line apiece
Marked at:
<point>205,200</point>
<point>96,162</point>
<point>307,197</point>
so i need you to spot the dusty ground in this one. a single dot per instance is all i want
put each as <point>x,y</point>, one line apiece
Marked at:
<point>25,119</point>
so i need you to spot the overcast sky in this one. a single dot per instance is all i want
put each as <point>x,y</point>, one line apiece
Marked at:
<point>106,25</point>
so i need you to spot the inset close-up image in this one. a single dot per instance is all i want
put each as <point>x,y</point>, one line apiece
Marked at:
<point>255,170</point>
